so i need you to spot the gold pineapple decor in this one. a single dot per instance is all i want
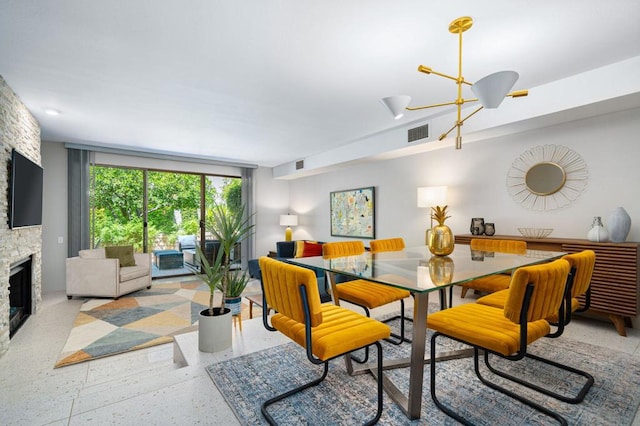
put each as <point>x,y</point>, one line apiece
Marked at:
<point>440,241</point>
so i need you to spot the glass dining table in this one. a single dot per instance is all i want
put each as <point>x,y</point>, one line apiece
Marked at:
<point>416,270</point>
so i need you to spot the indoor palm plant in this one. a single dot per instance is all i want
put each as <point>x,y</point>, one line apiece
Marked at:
<point>230,229</point>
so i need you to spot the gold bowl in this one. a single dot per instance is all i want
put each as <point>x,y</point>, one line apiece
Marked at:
<point>535,232</point>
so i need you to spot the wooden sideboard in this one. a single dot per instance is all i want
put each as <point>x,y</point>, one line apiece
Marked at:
<point>615,281</point>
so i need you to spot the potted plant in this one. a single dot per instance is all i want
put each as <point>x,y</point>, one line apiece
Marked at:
<point>236,283</point>
<point>230,229</point>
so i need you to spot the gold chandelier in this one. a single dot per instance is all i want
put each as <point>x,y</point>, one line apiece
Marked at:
<point>490,90</point>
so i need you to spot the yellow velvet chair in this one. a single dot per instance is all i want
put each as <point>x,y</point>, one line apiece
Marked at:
<point>495,282</point>
<point>325,330</point>
<point>366,294</point>
<point>536,293</point>
<point>578,284</point>
<point>389,244</point>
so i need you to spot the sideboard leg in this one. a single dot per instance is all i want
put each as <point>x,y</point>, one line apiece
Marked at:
<point>619,322</point>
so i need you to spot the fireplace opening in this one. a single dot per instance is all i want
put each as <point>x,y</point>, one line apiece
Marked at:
<point>19,294</point>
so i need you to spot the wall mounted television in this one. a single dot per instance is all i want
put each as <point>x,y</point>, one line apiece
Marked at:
<point>25,192</point>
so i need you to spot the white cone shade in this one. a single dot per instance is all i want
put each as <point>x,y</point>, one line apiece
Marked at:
<point>492,89</point>
<point>396,104</point>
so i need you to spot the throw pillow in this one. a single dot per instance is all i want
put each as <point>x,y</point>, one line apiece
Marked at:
<point>312,249</point>
<point>299,249</point>
<point>123,253</point>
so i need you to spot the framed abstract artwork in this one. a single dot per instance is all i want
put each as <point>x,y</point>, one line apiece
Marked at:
<point>353,213</point>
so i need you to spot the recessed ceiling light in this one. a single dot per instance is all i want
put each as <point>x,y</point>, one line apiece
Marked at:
<point>51,111</point>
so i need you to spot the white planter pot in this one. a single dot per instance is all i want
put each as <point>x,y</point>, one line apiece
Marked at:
<point>214,332</point>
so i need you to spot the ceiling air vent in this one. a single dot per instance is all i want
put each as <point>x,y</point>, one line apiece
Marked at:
<point>418,133</point>
<point>299,164</point>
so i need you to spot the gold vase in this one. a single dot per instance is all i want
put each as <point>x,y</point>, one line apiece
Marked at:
<point>441,241</point>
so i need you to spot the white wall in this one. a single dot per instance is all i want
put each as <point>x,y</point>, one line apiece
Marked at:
<point>476,180</point>
<point>54,217</point>
<point>475,175</point>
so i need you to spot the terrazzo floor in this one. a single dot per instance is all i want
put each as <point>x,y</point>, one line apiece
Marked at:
<point>147,386</point>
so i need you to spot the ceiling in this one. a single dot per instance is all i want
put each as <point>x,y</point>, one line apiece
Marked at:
<point>268,82</point>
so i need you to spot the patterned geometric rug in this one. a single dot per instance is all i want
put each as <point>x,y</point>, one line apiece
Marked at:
<point>247,381</point>
<point>138,320</point>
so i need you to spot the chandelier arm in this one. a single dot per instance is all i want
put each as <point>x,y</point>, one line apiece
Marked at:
<point>427,70</point>
<point>444,135</point>
<point>464,101</point>
<point>470,115</point>
<point>430,106</point>
<point>518,93</point>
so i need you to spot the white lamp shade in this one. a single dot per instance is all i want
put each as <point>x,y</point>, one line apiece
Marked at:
<point>288,220</point>
<point>431,196</point>
<point>396,104</point>
<point>492,89</point>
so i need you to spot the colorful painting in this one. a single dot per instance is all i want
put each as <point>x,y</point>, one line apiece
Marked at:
<point>353,213</point>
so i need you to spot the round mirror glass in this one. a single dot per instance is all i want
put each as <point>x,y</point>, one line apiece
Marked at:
<point>545,178</point>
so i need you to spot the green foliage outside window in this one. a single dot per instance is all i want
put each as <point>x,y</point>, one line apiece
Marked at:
<point>173,205</point>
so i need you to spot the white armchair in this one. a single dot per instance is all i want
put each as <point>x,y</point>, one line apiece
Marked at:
<point>91,273</point>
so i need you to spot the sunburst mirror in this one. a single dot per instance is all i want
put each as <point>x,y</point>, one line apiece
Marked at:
<point>547,177</point>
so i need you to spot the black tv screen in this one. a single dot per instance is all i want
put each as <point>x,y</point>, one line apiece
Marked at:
<point>25,192</point>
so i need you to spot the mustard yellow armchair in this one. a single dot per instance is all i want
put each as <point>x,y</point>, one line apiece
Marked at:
<point>578,284</point>
<point>536,293</point>
<point>325,330</point>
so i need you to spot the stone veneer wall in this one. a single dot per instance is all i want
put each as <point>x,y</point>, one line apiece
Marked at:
<point>20,130</point>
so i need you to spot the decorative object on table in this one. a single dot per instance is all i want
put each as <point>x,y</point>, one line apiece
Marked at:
<point>489,229</point>
<point>353,213</point>
<point>477,226</point>
<point>431,196</point>
<point>598,233</point>
<point>288,220</point>
<point>490,90</point>
<point>214,329</point>
<point>441,241</point>
<point>547,177</point>
<point>619,225</point>
<point>535,232</point>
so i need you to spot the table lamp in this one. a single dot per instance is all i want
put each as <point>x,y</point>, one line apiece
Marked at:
<point>288,220</point>
<point>431,196</point>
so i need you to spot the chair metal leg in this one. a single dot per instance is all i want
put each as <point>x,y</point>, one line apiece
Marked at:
<point>514,395</point>
<point>572,400</point>
<point>379,375</point>
<point>507,392</point>
<point>263,407</point>
<point>398,338</point>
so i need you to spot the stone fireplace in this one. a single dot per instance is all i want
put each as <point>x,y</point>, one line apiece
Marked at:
<point>19,130</point>
<point>19,294</point>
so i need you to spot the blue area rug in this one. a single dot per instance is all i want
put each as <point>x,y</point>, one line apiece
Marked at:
<point>247,381</point>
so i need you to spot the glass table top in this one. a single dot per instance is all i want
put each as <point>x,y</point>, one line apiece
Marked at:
<point>417,270</point>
